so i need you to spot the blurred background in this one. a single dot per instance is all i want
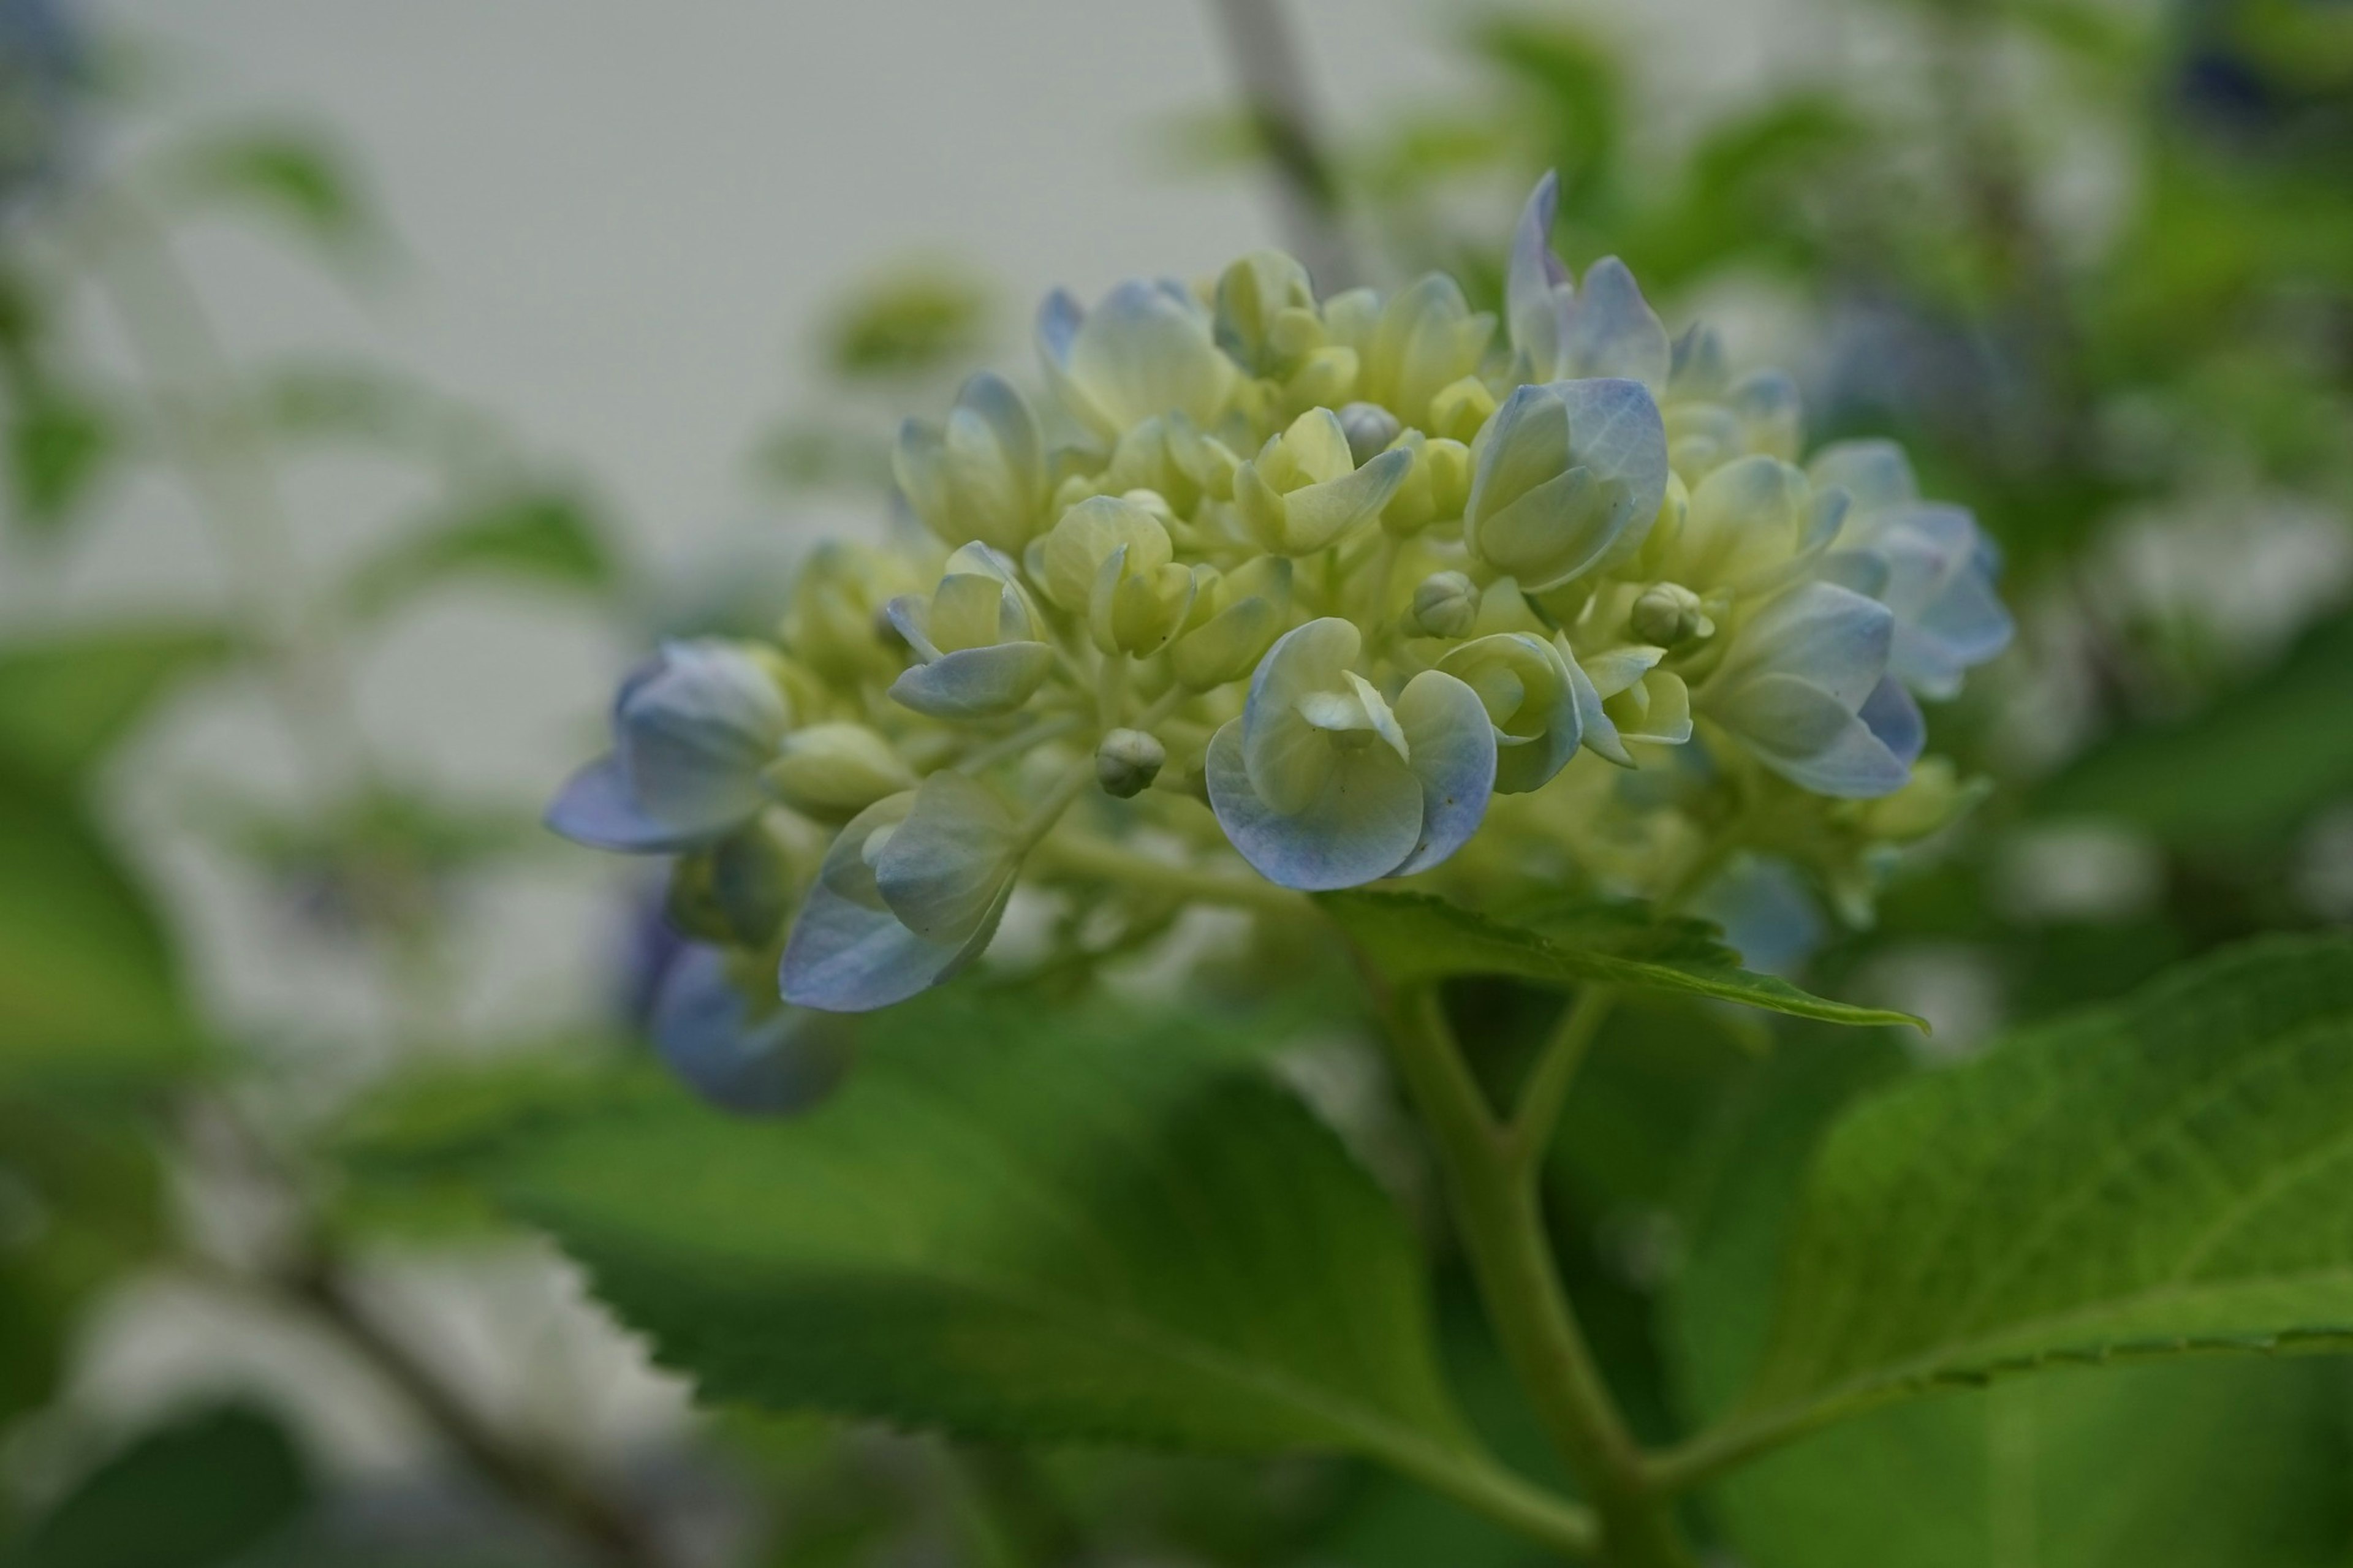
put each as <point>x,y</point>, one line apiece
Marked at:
<point>378,380</point>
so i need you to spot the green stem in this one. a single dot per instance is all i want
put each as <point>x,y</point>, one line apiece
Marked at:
<point>1085,855</point>
<point>1546,1091</point>
<point>1500,1214</point>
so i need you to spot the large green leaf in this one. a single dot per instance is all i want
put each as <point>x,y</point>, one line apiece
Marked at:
<point>2173,1465</point>
<point>65,699</point>
<point>2161,1176</point>
<point>200,1492</point>
<point>1413,937</point>
<point>545,538</point>
<point>2248,768</point>
<point>1091,1230</point>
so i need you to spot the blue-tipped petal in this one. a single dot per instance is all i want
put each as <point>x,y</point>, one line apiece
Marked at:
<point>597,808</point>
<point>1531,303</point>
<point>1452,747</point>
<point>946,865</point>
<point>1613,332</point>
<point>1365,822</point>
<point>1891,714</point>
<point>848,953</point>
<point>1809,737</point>
<point>1828,637</point>
<point>754,1057</point>
<point>976,682</point>
<point>1059,317</point>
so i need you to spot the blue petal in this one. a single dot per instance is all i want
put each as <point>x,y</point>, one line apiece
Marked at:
<point>754,1058</point>
<point>1529,300</point>
<point>598,807</point>
<point>1060,315</point>
<point>848,953</point>
<point>1807,736</point>
<point>1613,332</point>
<point>1891,714</point>
<point>976,682</point>
<point>1453,755</point>
<point>1365,824</point>
<point>948,862</point>
<point>1828,637</point>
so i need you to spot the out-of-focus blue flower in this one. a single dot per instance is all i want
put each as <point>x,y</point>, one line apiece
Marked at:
<point>910,893</point>
<point>1147,349</point>
<point>978,640</point>
<point>693,727</point>
<point>1804,686</point>
<point>1560,334</point>
<point>737,1046</point>
<point>1564,478</point>
<point>1927,562</point>
<point>1322,783</point>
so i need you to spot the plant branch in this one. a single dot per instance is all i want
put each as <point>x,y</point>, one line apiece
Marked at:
<point>1501,1218</point>
<point>1547,1090</point>
<point>1265,58</point>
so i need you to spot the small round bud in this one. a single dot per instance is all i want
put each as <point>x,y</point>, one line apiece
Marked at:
<point>1370,428</point>
<point>1127,762</point>
<point>1668,613</point>
<point>1446,604</point>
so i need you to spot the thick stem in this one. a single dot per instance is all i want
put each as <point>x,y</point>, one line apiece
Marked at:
<point>1546,1091</point>
<point>1500,1215</point>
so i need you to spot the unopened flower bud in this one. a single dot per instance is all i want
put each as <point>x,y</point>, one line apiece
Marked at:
<point>833,772</point>
<point>1668,615</point>
<point>1445,605</point>
<point>1370,428</point>
<point>1459,408</point>
<point>1127,762</point>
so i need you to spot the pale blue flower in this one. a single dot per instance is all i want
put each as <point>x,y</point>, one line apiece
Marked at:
<point>1804,687</point>
<point>1323,783</point>
<point>746,1053</point>
<point>983,474</point>
<point>1147,349</point>
<point>1525,683</point>
<point>1561,334</point>
<point>1933,567</point>
<point>693,727</point>
<point>1425,339</point>
<point>910,893</point>
<point>980,647</point>
<point>1564,478</point>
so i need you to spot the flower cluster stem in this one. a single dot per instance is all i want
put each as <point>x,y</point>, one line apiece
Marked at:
<point>1499,1211</point>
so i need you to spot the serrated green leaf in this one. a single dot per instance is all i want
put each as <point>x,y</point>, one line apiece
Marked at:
<point>2162,1176</point>
<point>65,701</point>
<point>2174,1465</point>
<point>197,1493</point>
<point>1107,1231</point>
<point>544,538</point>
<point>1413,937</point>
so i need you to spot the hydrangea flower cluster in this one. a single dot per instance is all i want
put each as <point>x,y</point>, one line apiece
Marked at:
<point>1262,588</point>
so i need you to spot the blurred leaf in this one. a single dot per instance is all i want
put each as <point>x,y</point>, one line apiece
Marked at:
<point>58,449</point>
<point>1577,80</point>
<point>68,699</point>
<point>805,453</point>
<point>294,175</point>
<point>2153,1178</point>
<point>2248,769</point>
<point>545,538</point>
<point>912,318</point>
<point>2173,1466</point>
<point>198,1493</point>
<point>1413,937</point>
<point>88,987</point>
<point>78,1205</point>
<point>1109,1229</point>
<point>319,398</point>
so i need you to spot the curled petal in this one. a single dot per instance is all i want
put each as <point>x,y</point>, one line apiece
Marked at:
<point>1564,476</point>
<point>1826,636</point>
<point>848,953</point>
<point>1811,739</point>
<point>1452,754</point>
<point>942,868</point>
<point>1362,824</point>
<point>1891,714</point>
<point>976,682</point>
<point>752,1056</point>
<point>598,807</point>
<point>1523,680</point>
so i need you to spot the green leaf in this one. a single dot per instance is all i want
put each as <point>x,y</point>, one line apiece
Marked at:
<point>200,1492</point>
<point>2247,768</point>
<point>294,175</point>
<point>1413,937</point>
<point>2163,1176</point>
<point>1107,1230</point>
<point>2172,1464</point>
<point>58,448</point>
<point>544,538</point>
<point>86,981</point>
<point>65,701</point>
